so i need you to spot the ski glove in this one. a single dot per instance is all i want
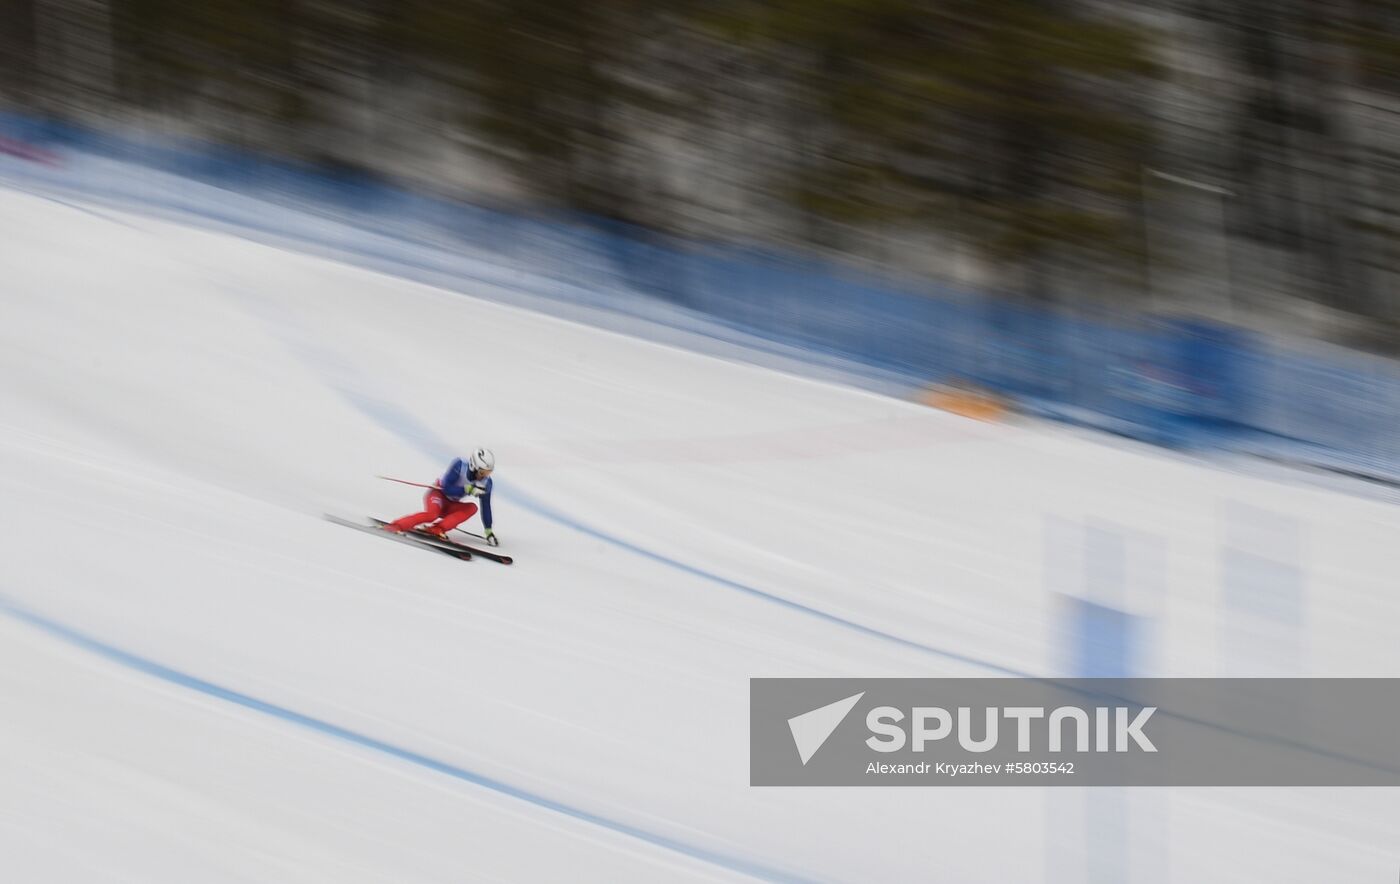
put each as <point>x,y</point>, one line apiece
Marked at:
<point>476,490</point>
<point>491,538</point>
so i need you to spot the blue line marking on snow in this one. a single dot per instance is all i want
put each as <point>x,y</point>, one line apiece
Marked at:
<point>414,431</point>
<point>129,660</point>
<point>530,503</point>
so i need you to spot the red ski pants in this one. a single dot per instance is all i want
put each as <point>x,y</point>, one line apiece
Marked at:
<point>437,506</point>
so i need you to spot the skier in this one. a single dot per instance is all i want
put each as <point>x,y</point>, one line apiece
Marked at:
<point>443,504</point>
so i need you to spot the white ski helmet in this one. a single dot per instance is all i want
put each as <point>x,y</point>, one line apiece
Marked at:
<point>482,459</point>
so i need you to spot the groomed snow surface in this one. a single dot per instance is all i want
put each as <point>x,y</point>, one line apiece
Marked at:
<point>202,680</point>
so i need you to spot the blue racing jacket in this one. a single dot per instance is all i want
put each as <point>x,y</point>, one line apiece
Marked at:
<point>460,479</point>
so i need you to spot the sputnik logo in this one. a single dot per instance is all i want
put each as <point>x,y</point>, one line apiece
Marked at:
<point>811,729</point>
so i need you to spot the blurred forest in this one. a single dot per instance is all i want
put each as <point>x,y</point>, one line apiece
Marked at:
<point>1237,157</point>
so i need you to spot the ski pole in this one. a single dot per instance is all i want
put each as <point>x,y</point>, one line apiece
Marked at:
<point>421,485</point>
<point>405,482</point>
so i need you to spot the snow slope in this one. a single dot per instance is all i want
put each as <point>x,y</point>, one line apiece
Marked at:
<point>203,680</point>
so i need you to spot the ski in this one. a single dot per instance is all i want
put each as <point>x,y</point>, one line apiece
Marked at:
<point>452,545</point>
<point>462,554</point>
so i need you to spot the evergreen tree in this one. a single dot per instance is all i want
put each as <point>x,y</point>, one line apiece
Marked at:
<point>1015,124</point>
